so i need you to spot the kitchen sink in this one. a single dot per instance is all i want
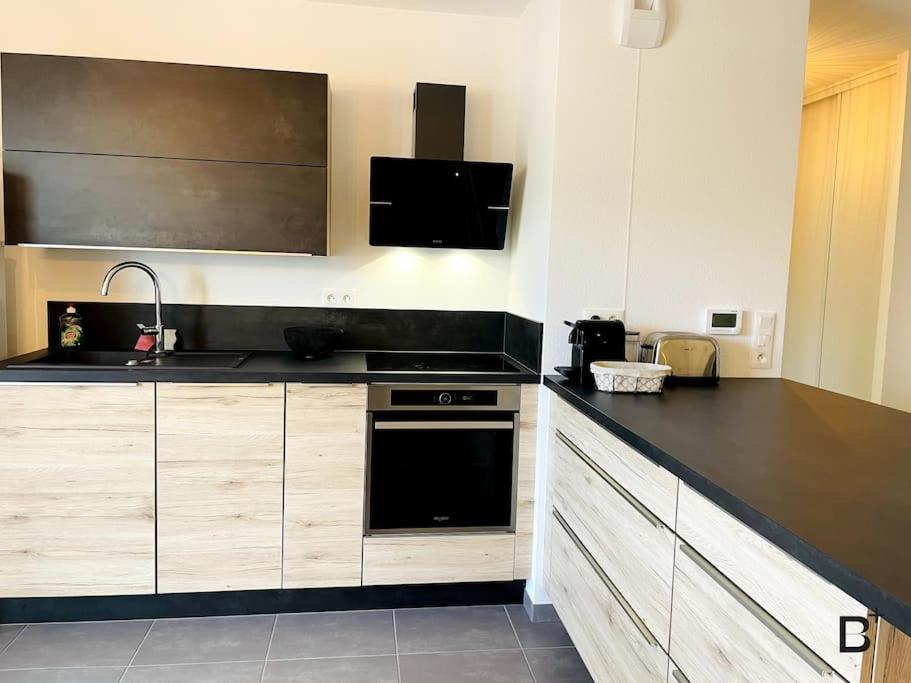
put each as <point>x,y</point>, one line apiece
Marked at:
<point>107,360</point>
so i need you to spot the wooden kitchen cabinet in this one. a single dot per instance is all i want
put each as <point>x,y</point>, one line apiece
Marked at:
<point>220,458</point>
<point>801,600</point>
<point>325,452</point>
<point>627,541</point>
<point>525,486</point>
<point>610,636</point>
<point>77,489</point>
<point>134,154</point>
<point>438,558</point>
<point>893,655</point>
<point>719,633</point>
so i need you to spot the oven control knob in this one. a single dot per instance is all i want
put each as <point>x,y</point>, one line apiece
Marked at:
<point>444,399</point>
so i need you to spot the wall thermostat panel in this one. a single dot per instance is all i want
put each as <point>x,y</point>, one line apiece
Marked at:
<point>723,320</point>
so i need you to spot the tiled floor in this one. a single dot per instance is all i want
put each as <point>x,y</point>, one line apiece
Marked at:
<point>490,644</point>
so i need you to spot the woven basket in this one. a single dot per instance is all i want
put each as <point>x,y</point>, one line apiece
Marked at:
<point>618,377</point>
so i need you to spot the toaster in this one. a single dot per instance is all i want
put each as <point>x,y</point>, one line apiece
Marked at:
<point>694,358</point>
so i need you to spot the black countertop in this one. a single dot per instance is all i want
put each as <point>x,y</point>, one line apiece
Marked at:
<point>264,366</point>
<point>825,477</point>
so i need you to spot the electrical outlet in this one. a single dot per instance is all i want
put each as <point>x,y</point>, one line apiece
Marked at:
<point>603,313</point>
<point>343,298</point>
<point>763,340</point>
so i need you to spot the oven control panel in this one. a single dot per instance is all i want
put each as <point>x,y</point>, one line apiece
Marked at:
<point>434,397</point>
<point>443,397</point>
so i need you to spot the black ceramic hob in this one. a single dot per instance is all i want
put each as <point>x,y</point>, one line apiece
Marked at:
<point>438,362</point>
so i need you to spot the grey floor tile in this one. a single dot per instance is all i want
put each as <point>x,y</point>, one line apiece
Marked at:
<point>336,670</point>
<point>92,675</point>
<point>7,633</point>
<point>542,634</point>
<point>503,666</point>
<point>99,643</point>
<point>446,629</point>
<point>563,665</point>
<point>333,634</point>
<point>240,672</point>
<point>206,639</point>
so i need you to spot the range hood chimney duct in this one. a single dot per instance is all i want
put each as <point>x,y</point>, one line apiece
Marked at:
<point>439,121</point>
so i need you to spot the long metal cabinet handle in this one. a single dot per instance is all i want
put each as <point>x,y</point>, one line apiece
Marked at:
<point>442,424</point>
<point>784,635</point>
<point>618,596</point>
<point>650,516</point>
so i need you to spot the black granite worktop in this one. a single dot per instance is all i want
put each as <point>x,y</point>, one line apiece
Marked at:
<point>345,367</point>
<point>825,477</point>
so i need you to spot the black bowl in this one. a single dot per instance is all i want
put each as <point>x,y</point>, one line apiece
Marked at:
<point>310,342</point>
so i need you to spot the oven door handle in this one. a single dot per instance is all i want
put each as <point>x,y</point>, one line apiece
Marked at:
<point>442,424</point>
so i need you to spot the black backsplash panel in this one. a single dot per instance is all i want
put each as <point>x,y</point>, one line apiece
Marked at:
<point>112,326</point>
<point>523,340</point>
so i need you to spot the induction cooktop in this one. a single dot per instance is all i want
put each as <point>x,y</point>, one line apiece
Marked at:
<point>438,362</point>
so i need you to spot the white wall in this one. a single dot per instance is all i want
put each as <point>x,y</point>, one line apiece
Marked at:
<point>374,57</point>
<point>674,174</point>
<point>539,36</point>
<point>686,157</point>
<point>716,169</point>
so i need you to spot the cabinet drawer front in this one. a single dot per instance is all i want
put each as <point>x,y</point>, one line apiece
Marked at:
<point>610,638</point>
<point>101,201</point>
<point>220,456</point>
<point>720,634</point>
<point>438,558</point>
<point>77,490</point>
<point>653,486</point>
<point>633,547</point>
<point>805,603</point>
<point>157,109</point>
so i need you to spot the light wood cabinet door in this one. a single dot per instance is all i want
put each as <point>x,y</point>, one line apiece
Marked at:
<point>718,633</point>
<point>651,484</point>
<point>77,490</point>
<point>525,486</point>
<point>220,458</point>
<point>325,452</point>
<point>804,602</point>
<point>609,636</point>
<point>633,547</point>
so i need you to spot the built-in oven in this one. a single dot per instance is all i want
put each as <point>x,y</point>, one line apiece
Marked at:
<point>441,458</point>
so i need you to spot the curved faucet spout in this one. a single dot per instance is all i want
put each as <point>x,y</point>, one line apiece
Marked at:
<point>159,327</point>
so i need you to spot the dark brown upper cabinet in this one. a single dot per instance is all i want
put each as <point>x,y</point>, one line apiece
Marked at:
<point>106,152</point>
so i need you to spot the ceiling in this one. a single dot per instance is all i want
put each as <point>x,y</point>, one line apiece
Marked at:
<point>848,37</point>
<point>493,8</point>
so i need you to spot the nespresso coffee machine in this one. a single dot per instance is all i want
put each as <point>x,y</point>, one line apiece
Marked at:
<point>593,340</point>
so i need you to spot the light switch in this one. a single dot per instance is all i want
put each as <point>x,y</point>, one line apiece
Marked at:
<point>763,340</point>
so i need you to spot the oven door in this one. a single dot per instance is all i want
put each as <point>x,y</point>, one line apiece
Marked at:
<point>435,472</point>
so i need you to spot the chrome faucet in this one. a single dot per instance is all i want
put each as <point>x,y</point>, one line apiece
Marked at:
<point>158,330</point>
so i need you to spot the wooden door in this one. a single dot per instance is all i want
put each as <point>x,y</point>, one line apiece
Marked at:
<point>220,457</point>
<point>810,241</point>
<point>77,489</point>
<point>859,211</point>
<point>324,485</point>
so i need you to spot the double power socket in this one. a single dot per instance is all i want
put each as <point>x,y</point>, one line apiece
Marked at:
<point>344,298</point>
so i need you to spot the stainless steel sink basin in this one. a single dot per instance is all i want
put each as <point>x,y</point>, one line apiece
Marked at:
<point>109,360</point>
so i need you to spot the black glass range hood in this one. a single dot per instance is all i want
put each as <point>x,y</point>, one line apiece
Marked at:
<point>439,203</point>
